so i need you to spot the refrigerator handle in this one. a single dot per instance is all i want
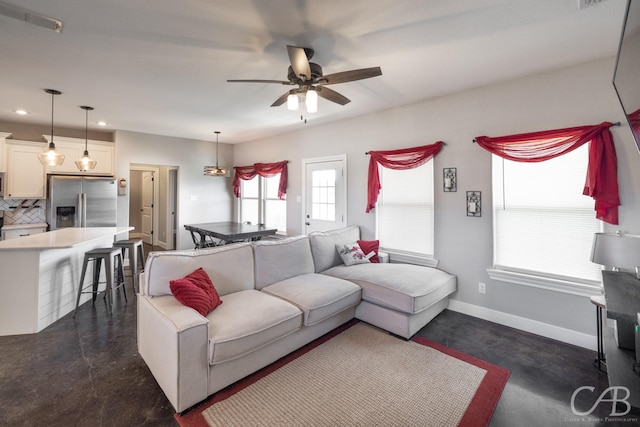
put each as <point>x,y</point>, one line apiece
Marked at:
<point>84,209</point>
<point>79,211</point>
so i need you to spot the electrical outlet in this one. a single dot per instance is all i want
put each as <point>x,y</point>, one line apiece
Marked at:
<point>482,288</point>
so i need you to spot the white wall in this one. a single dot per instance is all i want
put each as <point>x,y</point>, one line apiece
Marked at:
<point>200,198</point>
<point>574,96</point>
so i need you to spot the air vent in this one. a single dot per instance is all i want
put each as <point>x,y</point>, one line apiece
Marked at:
<point>587,3</point>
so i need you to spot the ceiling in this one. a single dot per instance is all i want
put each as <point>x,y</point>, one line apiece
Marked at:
<point>160,66</point>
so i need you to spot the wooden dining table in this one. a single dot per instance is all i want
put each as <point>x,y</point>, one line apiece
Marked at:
<point>227,232</point>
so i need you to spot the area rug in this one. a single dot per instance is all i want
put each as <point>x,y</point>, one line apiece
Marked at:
<point>360,376</point>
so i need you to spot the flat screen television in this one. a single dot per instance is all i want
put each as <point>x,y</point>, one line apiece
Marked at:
<point>626,77</point>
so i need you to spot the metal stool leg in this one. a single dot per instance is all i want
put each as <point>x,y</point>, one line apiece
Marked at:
<point>121,280</point>
<point>82,275</point>
<point>109,290</point>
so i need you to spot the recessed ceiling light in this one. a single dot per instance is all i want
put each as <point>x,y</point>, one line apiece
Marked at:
<point>21,112</point>
<point>101,123</point>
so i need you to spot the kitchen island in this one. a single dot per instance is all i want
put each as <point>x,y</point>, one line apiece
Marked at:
<point>39,275</point>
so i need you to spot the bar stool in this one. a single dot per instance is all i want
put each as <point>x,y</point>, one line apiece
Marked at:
<point>600,303</point>
<point>112,257</point>
<point>135,248</point>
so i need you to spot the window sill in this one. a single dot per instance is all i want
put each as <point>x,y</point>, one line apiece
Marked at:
<point>406,258</point>
<point>584,288</point>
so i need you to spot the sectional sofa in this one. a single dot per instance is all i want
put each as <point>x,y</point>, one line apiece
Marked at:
<point>276,297</point>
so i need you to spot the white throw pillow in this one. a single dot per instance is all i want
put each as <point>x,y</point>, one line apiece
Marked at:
<point>352,254</point>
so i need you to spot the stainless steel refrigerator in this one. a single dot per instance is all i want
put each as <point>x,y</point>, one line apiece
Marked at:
<point>81,201</point>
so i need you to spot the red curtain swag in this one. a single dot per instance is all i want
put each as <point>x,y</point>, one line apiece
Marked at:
<point>406,158</point>
<point>602,171</point>
<point>265,170</point>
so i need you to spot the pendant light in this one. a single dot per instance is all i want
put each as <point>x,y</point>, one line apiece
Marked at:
<point>217,170</point>
<point>51,157</point>
<point>85,163</point>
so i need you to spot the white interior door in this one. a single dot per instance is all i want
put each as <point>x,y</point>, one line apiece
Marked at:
<point>147,207</point>
<point>325,204</point>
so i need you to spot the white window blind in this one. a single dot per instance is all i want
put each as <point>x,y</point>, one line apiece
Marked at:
<point>275,210</point>
<point>542,222</point>
<point>250,201</point>
<point>259,203</point>
<point>405,210</point>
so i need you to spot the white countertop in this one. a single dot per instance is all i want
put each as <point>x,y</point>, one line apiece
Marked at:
<point>25,226</point>
<point>63,238</point>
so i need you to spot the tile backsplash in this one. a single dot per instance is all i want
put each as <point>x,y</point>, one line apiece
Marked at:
<point>28,211</point>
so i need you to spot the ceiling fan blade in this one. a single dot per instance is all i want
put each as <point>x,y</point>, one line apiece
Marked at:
<point>278,102</point>
<point>349,76</point>
<point>283,82</point>
<point>299,62</point>
<point>332,95</point>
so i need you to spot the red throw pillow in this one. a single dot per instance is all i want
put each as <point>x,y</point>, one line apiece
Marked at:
<point>196,291</point>
<point>369,246</point>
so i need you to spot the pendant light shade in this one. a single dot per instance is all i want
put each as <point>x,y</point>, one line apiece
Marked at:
<point>51,157</point>
<point>292,101</point>
<point>216,170</point>
<point>311,101</point>
<point>85,163</point>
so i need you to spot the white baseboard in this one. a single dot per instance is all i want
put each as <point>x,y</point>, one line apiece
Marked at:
<point>528,325</point>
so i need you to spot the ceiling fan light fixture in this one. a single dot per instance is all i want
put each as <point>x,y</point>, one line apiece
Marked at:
<point>311,101</point>
<point>51,157</point>
<point>292,101</point>
<point>216,170</point>
<point>85,163</point>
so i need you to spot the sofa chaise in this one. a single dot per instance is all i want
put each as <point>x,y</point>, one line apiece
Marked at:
<point>276,297</point>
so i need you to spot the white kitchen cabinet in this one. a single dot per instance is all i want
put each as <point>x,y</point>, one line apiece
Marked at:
<point>73,148</point>
<point>20,230</point>
<point>25,175</point>
<point>105,154</point>
<point>3,163</point>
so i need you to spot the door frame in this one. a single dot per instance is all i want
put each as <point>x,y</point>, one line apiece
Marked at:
<point>156,197</point>
<point>305,162</point>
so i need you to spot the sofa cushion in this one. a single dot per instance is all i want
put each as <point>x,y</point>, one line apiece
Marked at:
<point>319,296</point>
<point>403,287</point>
<point>196,291</point>
<point>229,267</point>
<point>278,260</point>
<point>247,321</point>
<point>323,246</point>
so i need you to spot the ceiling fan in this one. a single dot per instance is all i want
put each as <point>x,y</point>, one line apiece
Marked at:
<point>311,82</point>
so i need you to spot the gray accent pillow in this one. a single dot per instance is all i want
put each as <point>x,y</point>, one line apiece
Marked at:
<point>352,254</point>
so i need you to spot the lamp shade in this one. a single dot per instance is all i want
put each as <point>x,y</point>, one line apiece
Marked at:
<point>616,250</point>
<point>292,101</point>
<point>311,101</point>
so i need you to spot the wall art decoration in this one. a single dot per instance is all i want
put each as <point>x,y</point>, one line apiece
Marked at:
<point>449,180</point>
<point>474,203</point>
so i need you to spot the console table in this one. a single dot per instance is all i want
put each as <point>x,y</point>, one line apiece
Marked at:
<point>622,294</point>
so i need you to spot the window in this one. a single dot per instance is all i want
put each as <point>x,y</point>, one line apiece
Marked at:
<point>543,225</point>
<point>323,198</point>
<point>259,203</point>
<point>405,212</point>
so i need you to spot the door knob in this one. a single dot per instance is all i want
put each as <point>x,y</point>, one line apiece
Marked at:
<point>307,223</point>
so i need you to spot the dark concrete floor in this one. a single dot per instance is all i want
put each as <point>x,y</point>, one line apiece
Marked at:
<point>87,372</point>
<point>544,373</point>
